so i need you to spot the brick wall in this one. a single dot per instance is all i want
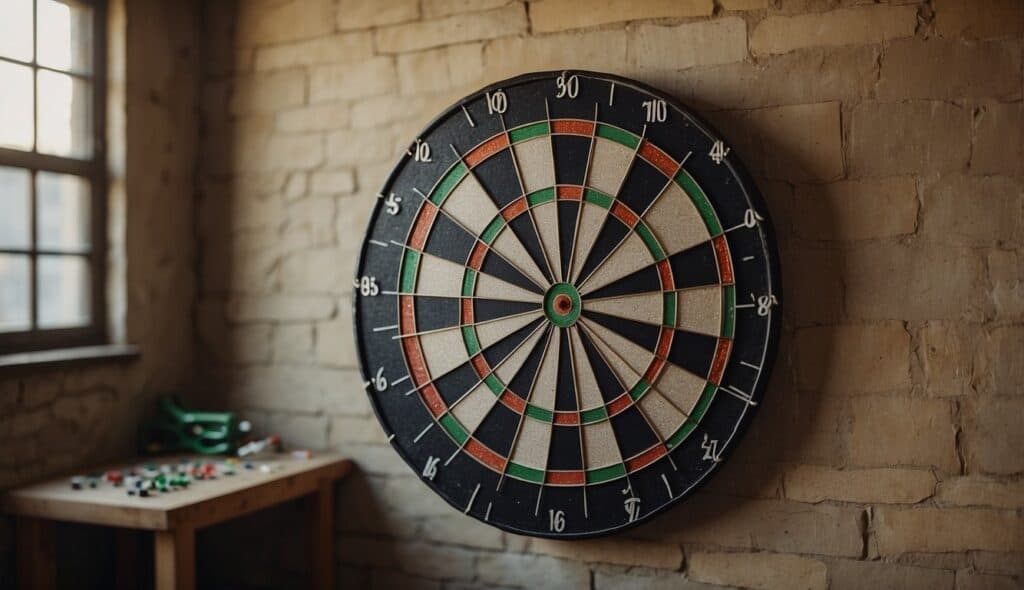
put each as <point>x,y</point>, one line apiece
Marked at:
<point>887,138</point>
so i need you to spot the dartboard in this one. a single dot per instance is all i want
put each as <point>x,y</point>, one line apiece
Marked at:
<point>566,303</point>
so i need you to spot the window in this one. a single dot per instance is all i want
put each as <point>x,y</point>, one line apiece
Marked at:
<point>52,174</point>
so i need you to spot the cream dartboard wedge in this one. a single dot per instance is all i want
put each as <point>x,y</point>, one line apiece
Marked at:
<point>566,304</point>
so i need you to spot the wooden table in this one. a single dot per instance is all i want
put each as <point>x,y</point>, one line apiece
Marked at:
<point>174,517</point>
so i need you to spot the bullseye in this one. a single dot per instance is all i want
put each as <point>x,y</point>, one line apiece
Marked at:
<point>562,304</point>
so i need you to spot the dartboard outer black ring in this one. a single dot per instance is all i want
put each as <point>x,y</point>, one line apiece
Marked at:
<point>520,513</point>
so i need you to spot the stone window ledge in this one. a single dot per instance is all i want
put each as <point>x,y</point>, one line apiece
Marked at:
<point>62,357</point>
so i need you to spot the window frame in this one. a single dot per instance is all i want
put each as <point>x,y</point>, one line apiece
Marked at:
<point>94,171</point>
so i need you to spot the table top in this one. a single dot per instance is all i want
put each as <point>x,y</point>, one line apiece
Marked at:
<point>273,478</point>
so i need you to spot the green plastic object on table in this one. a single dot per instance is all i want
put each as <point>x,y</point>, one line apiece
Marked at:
<point>176,429</point>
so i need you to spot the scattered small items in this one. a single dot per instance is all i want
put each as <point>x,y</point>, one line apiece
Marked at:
<point>258,446</point>
<point>302,454</point>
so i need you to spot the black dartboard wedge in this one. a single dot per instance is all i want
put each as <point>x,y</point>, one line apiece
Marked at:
<point>566,303</point>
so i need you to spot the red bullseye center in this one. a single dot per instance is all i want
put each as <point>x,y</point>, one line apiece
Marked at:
<point>563,304</point>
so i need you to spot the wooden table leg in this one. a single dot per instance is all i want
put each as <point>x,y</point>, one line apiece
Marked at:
<point>320,535</point>
<point>36,552</point>
<point>174,559</point>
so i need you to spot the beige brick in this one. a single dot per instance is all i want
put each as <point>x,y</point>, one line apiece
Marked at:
<point>321,117</point>
<point>854,359</point>
<point>290,20</point>
<point>247,344</point>
<point>745,4</point>
<point>557,15</point>
<point>888,139</point>
<point>406,499</point>
<point>880,575</point>
<point>974,581</point>
<point>334,341</point>
<point>268,92</point>
<point>370,77</point>
<point>809,483</point>
<point>439,8</point>
<point>638,579</point>
<point>278,152</point>
<point>353,223</point>
<point>993,435</point>
<point>284,308</point>
<point>295,389</point>
<point>293,343</point>
<point>313,270</point>
<point>888,431</point>
<point>972,210</point>
<point>856,209</point>
<point>454,528</point>
<point>1000,362</point>
<point>1003,563</point>
<point>621,551</point>
<point>439,70</point>
<point>1006,271</point>
<point>349,147</point>
<point>378,460</point>
<point>977,491</point>
<point>297,186</point>
<point>998,146</point>
<point>845,26</point>
<point>597,50</point>
<point>682,46</point>
<point>240,266</point>
<point>916,281</point>
<point>349,429</point>
<point>347,47</point>
<point>450,30</point>
<point>364,14</point>
<point>938,530</point>
<point>531,571</point>
<point>801,142</point>
<point>297,431</point>
<point>946,351</point>
<point>978,19</point>
<point>310,221</point>
<point>810,76</point>
<point>949,69</point>
<point>382,110</point>
<point>765,571</point>
<point>756,524</point>
<point>333,182</point>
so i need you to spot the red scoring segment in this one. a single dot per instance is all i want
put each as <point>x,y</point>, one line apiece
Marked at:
<point>724,261</point>
<point>570,193</point>
<point>658,158</point>
<point>424,221</point>
<point>486,149</point>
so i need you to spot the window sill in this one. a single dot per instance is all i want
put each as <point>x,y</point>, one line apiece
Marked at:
<point>61,357</point>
